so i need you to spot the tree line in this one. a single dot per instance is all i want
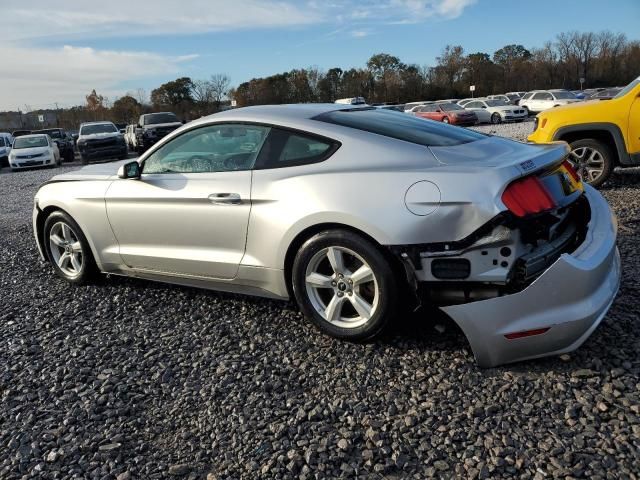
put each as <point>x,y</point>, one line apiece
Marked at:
<point>599,59</point>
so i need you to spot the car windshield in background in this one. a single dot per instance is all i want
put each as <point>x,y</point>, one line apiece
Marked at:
<point>52,133</point>
<point>30,142</point>
<point>401,126</point>
<point>513,97</point>
<point>564,95</point>
<point>628,88</point>
<point>98,128</point>
<point>497,103</point>
<point>155,118</point>
<point>450,107</point>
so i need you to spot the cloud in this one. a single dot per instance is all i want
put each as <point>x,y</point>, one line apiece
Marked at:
<point>40,76</point>
<point>43,47</point>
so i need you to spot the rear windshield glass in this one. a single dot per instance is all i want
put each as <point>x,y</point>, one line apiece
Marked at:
<point>401,126</point>
<point>52,133</point>
<point>155,118</point>
<point>98,128</point>
<point>30,142</point>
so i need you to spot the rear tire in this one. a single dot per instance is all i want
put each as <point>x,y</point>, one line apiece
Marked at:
<point>593,160</point>
<point>68,249</point>
<point>344,285</point>
<point>445,120</point>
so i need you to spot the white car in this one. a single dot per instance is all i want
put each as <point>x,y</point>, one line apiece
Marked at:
<point>6,140</point>
<point>130,137</point>
<point>464,101</point>
<point>37,150</point>
<point>540,100</point>
<point>351,101</point>
<point>496,111</point>
<point>511,98</point>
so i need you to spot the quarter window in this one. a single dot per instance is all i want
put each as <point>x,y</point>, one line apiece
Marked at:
<point>286,149</point>
<point>214,148</point>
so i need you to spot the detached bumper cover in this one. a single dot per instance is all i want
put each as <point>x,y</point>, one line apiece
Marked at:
<point>570,298</point>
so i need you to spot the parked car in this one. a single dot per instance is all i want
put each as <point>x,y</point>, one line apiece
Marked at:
<point>6,139</point>
<point>99,141</point>
<point>509,98</point>
<point>63,141</point>
<point>121,127</point>
<point>20,133</point>
<point>130,137</point>
<point>496,111</point>
<point>487,225</point>
<point>395,107</point>
<point>352,101</point>
<point>154,126</point>
<point>606,94</point>
<point>602,135</point>
<point>74,136</point>
<point>446,113</point>
<point>411,105</point>
<point>464,101</point>
<point>541,100</point>
<point>34,150</point>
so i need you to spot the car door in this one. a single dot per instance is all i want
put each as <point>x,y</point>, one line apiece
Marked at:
<point>634,127</point>
<point>477,108</point>
<point>188,212</point>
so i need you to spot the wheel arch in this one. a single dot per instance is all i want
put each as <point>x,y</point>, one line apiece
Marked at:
<point>307,233</point>
<point>607,133</point>
<point>41,218</point>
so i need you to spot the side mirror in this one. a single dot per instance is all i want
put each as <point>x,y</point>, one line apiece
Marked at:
<point>184,122</point>
<point>129,170</point>
<point>138,125</point>
<point>484,106</point>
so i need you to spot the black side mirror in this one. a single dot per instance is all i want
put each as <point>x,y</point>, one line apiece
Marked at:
<point>129,170</point>
<point>138,125</point>
<point>184,121</point>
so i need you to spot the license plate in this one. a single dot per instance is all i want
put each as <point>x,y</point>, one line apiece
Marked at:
<point>569,184</point>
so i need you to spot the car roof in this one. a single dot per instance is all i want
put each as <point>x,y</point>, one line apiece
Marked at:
<point>301,111</point>
<point>97,123</point>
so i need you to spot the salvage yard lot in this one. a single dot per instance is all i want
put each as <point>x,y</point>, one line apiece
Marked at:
<point>127,376</point>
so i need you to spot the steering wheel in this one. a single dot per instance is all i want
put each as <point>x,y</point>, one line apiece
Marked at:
<point>198,163</point>
<point>235,162</point>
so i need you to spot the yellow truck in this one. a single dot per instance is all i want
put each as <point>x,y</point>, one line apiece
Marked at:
<point>603,134</point>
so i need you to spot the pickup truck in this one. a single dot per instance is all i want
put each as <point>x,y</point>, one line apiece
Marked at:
<point>152,127</point>
<point>602,134</point>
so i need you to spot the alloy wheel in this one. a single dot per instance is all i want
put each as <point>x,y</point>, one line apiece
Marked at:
<point>66,250</point>
<point>588,163</point>
<point>342,287</point>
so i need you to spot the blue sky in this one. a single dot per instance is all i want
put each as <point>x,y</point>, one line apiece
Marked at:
<point>58,56</point>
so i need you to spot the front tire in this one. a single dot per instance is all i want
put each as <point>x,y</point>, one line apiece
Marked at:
<point>445,120</point>
<point>496,118</point>
<point>68,249</point>
<point>344,285</point>
<point>592,160</point>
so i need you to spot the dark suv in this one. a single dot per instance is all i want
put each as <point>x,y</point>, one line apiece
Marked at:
<point>100,140</point>
<point>153,126</point>
<point>63,140</point>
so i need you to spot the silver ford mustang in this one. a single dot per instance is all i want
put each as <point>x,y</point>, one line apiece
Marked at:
<point>354,212</point>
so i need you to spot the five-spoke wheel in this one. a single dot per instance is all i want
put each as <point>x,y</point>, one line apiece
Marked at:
<point>592,161</point>
<point>344,284</point>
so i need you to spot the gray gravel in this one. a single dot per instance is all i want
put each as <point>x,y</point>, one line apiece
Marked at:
<point>517,131</point>
<point>130,379</point>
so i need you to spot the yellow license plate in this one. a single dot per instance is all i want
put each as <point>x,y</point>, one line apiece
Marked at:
<point>569,184</point>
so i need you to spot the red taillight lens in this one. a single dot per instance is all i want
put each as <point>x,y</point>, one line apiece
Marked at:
<point>572,171</point>
<point>526,196</point>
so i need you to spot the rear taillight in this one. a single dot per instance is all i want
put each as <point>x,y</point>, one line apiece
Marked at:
<point>572,171</point>
<point>527,196</point>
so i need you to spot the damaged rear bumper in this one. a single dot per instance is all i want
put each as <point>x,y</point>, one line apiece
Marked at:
<point>569,299</point>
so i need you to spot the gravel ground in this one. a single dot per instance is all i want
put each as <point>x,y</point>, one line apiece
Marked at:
<point>130,379</point>
<point>518,131</point>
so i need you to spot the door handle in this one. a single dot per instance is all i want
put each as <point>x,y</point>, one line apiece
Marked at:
<point>225,198</point>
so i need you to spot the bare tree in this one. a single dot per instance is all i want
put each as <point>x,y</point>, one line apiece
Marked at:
<point>220,88</point>
<point>585,46</point>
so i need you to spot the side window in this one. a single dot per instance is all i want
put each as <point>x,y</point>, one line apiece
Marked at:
<point>287,149</point>
<point>473,105</point>
<point>214,148</point>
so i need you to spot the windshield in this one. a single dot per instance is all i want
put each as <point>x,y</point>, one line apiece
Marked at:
<point>628,88</point>
<point>52,133</point>
<point>154,118</point>
<point>30,142</point>
<point>400,126</point>
<point>564,95</point>
<point>496,103</point>
<point>98,128</point>
<point>513,96</point>
<point>450,107</point>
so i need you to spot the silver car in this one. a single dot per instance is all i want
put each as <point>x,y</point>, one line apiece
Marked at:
<point>354,212</point>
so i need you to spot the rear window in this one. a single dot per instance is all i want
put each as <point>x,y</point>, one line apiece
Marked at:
<point>401,126</point>
<point>52,133</point>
